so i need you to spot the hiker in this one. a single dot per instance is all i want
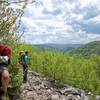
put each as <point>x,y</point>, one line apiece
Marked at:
<point>5,57</point>
<point>25,62</point>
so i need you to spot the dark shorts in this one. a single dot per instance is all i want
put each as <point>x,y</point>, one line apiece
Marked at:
<point>3,66</point>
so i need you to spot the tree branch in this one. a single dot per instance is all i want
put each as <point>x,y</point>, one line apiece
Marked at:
<point>15,2</point>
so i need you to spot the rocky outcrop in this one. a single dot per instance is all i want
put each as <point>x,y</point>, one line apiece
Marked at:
<point>40,87</point>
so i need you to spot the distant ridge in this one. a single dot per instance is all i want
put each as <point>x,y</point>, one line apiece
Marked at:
<point>88,49</point>
<point>57,47</point>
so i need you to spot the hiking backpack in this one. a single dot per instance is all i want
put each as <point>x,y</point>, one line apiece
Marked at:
<point>5,54</point>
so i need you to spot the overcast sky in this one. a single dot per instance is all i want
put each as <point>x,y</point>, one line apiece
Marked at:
<point>62,21</point>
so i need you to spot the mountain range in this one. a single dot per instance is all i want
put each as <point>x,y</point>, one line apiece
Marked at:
<point>58,47</point>
<point>77,49</point>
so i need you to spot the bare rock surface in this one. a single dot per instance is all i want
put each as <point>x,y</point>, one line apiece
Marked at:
<point>40,87</point>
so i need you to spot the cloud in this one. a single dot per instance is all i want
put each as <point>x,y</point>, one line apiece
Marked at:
<point>62,21</point>
<point>88,14</point>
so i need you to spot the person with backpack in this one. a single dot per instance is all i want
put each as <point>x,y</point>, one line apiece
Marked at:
<point>5,60</point>
<point>26,65</point>
<point>25,62</point>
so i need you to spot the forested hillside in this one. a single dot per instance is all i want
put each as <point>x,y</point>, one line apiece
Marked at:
<point>88,49</point>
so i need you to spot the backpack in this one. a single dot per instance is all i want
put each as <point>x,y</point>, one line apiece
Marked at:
<point>5,54</point>
<point>24,59</point>
<point>4,59</point>
<point>21,59</point>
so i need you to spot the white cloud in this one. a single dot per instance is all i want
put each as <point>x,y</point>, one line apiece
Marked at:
<point>96,19</point>
<point>85,3</point>
<point>28,22</point>
<point>62,21</point>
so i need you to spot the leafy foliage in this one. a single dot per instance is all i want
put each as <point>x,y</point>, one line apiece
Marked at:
<point>10,19</point>
<point>73,70</point>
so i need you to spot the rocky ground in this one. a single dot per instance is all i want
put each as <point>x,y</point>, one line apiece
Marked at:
<point>40,87</point>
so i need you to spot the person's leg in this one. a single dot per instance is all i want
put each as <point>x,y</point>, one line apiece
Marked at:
<point>25,73</point>
<point>5,80</point>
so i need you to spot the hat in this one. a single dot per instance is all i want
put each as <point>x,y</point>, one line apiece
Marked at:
<point>21,52</point>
